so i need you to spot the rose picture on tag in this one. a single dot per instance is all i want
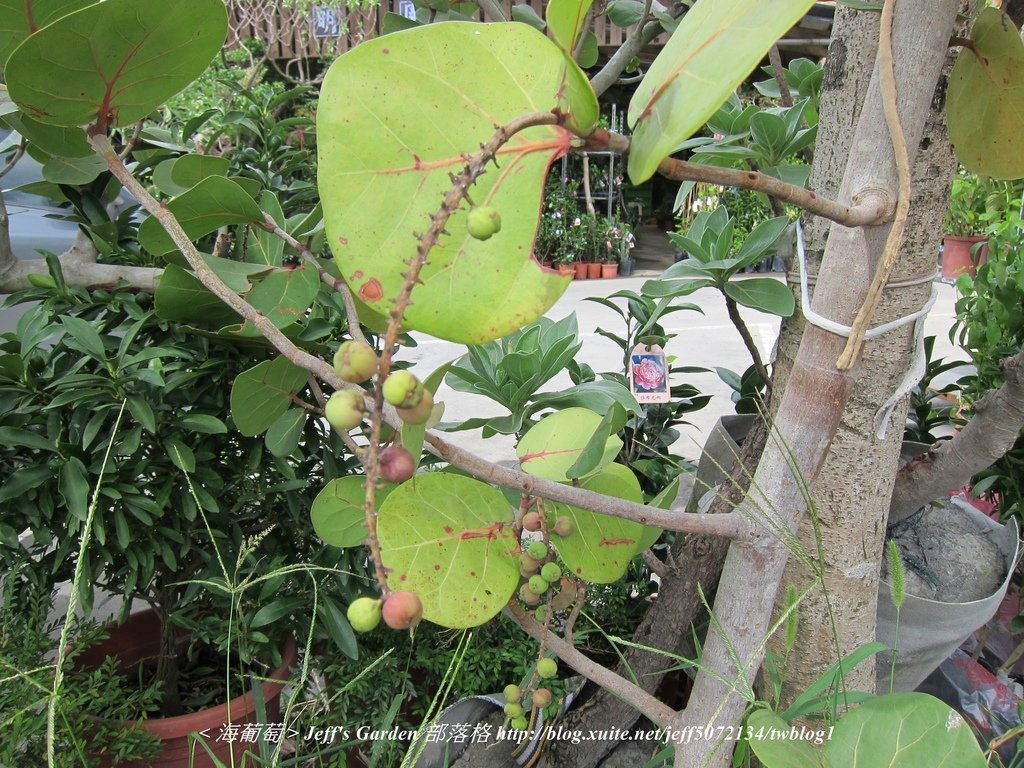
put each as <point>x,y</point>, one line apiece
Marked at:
<point>648,374</point>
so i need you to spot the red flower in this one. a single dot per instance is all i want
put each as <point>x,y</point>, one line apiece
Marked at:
<point>647,374</point>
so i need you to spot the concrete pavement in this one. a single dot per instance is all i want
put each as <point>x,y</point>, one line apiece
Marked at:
<point>705,339</point>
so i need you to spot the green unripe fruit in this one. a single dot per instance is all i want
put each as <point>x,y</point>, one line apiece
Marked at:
<point>547,668</point>
<point>537,584</point>
<point>513,710</point>
<point>402,610</point>
<point>563,526</point>
<point>355,361</point>
<point>512,693</point>
<point>345,409</point>
<point>531,521</point>
<point>483,221</point>
<point>403,390</point>
<point>421,413</point>
<point>527,565</point>
<point>551,572</point>
<point>528,596</point>
<point>541,698</point>
<point>538,550</point>
<point>520,724</point>
<point>541,614</point>
<point>364,614</point>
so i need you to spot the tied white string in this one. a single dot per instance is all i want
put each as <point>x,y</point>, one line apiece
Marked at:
<point>918,364</point>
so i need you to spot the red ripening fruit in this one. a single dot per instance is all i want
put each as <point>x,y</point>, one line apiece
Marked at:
<point>531,521</point>
<point>396,464</point>
<point>541,698</point>
<point>563,526</point>
<point>421,413</point>
<point>402,610</point>
<point>527,596</point>
<point>527,565</point>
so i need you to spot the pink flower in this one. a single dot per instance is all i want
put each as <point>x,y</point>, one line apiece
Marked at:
<point>648,375</point>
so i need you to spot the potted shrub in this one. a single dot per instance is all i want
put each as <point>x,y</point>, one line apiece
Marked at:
<point>185,501</point>
<point>973,204</point>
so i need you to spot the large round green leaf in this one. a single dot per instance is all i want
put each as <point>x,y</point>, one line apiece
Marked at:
<point>552,447</point>
<point>337,511</point>
<point>396,116</point>
<point>985,99</point>
<point>114,61</point>
<point>600,546</point>
<point>20,18</point>
<point>903,730</point>
<point>450,540</point>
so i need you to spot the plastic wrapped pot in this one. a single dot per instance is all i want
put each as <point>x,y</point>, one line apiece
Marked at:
<point>931,629</point>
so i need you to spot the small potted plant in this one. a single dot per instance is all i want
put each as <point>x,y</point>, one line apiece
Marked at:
<point>973,203</point>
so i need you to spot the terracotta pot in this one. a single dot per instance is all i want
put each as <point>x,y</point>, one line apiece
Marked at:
<point>565,270</point>
<point>609,270</point>
<point>958,256</point>
<point>138,640</point>
<point>593,269</point>
<point>580,268</point>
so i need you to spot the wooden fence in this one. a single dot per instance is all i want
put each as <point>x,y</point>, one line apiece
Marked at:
<point>325,32</point>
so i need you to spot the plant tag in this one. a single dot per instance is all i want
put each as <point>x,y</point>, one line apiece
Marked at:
<point>648,374</point>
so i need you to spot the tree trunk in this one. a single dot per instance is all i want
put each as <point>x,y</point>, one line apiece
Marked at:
<point>815,395</point>
<point>839,616</point>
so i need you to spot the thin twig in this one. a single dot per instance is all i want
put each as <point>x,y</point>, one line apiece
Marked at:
<point>656,565</point>
<point>728,524</point>
<point>132,140</point>
<point>891,252</point>
<point>748,340</point>
<point>336,283</point>
<point>577,607</point>
<point>779,73</point>
<point>875,208</point>
<point>656,711</point>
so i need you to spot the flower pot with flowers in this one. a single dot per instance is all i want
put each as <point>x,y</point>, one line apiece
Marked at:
<point>557,240</point>
<point>619,243</point>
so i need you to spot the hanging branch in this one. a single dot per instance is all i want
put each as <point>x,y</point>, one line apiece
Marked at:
<point>656,711</point>
<point>875,207</point>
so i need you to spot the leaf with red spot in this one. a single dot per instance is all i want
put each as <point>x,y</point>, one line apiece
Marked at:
<point>600,546</point>
<point>396,116</point>
<point>114,61</point>
<point>449,539</point>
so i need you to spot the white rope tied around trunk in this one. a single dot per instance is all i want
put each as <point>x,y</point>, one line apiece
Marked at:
<point>918,363</point>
